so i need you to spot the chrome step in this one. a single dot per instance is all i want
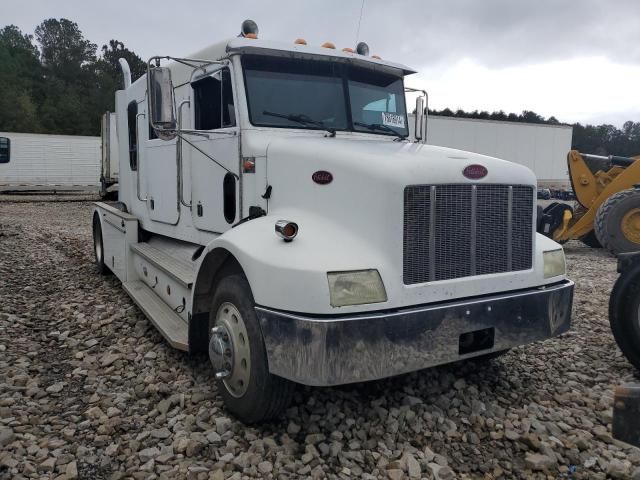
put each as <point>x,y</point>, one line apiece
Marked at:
<point>169,323</point>
<point>182,272</point>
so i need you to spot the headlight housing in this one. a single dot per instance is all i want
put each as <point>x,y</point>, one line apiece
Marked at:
<point>356,288</point>
<point>554,263</point>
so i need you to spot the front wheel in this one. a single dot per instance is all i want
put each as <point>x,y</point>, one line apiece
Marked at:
<point>239,358</point>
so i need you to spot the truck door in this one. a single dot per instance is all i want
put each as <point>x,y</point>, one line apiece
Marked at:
<point>160,171</point>
<point>214,190</point>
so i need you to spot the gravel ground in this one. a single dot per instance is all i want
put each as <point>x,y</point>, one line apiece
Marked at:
<point>88,389</point>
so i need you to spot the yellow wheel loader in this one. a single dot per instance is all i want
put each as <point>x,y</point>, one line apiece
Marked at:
<point>607,214</point>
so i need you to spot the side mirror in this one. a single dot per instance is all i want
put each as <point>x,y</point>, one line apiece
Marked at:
<point>419,126</point>
<point>162,106</point>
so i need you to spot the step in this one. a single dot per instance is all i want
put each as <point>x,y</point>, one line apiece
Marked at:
<point>182,272</point>
<point>169,323</point>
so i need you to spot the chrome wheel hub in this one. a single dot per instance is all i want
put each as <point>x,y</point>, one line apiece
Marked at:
<point>229,350</point>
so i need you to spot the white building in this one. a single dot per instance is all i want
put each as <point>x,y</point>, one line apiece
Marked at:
<point>541,147</point>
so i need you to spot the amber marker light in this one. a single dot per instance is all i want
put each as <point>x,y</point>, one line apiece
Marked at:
<point>286,230</point>
<point>300,41</point>
<point>328,45</point>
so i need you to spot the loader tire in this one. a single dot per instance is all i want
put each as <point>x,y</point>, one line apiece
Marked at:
<point>617,222</point>
<point>590,240</point>
<point>251,393</point>
<point>624,314</point>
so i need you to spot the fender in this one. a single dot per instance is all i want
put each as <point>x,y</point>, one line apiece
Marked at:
<point>283,275</point>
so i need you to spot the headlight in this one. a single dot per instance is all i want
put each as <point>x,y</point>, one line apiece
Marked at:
<point>356,288</point>
<point>554,263</point>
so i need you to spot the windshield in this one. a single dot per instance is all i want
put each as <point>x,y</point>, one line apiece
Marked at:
<point>300,93</point>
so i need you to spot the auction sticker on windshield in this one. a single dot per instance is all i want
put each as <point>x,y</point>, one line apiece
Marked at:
<point>392,120</point>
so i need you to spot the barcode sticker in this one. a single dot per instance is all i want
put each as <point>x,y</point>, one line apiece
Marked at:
<point>392,120</point>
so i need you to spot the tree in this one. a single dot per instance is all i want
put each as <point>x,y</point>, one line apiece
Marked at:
<point>64,50</point>
<point>20,76</point>
<point>116,50</point>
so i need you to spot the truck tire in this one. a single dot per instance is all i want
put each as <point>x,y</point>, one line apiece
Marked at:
<point>98,246</point>
<point>617,222</point>
<point>250,392</point>
<point>624,314</point>
<point>590,240</point>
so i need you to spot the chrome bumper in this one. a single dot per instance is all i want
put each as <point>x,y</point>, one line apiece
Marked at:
<point>324,351</point>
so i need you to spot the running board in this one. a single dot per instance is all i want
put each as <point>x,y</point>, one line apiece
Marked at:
<point>178,270</point>
<point>168,322</point>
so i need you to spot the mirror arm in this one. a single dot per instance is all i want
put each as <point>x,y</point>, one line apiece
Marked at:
<point>235,175</point>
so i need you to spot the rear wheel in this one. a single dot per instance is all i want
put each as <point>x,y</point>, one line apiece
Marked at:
<point>617,222</point>
<point>239,358</point>
<point>98,246</point>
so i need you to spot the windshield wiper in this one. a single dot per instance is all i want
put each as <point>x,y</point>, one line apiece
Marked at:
<point>379,126</point>
<point>301,118</point>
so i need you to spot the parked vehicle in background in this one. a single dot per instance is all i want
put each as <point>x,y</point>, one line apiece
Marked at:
<point>608,195</point>
<point>32,161</point>
<point>273,213</point>
<point>544,193</point>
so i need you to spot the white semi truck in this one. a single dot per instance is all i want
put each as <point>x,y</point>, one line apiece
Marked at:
<point>273,213</point>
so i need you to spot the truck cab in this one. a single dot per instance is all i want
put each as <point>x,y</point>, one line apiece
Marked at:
<point>276,211</point>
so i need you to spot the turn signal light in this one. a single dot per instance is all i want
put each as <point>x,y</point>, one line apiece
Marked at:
<point>286,230</point>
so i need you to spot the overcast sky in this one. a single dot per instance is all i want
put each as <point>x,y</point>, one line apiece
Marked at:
<point>578,60</point>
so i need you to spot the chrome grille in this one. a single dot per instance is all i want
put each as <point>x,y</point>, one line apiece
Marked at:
<point>454,231</point>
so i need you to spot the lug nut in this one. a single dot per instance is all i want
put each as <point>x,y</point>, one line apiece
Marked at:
<point>222,374</point>
<point>227,352</point>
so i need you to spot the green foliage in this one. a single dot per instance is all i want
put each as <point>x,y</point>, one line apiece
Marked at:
<point>63,86</point>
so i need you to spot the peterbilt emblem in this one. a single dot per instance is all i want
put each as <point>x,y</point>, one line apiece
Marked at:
<point>322,177</point>
<point>475,171</point>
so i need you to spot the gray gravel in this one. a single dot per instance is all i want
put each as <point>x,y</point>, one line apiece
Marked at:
<point>88,389</point>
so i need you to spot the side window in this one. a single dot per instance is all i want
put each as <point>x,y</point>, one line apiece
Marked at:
<point>5,150</point>
<point>228,110</point>
<point>132,118</point>
<point>213,101</point>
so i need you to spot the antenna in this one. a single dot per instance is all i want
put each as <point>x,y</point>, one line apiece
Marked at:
<point>359,21</point>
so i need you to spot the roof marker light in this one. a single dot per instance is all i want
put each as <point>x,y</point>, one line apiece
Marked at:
<point>300,41</point>
<point>376,57</point>
<point>328,45</point>
<point>347,49</point>
<point>363,49</point>
<point>249,29</point>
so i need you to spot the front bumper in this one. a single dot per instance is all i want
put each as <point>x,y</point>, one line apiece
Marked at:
<point>324,351</point>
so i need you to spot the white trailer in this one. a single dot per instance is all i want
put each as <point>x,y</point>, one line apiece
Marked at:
<point>542,148</point>
<point>273,213</point>
<point>31,161</point>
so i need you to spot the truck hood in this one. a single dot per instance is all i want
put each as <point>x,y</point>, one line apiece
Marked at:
<point>365,171</point>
